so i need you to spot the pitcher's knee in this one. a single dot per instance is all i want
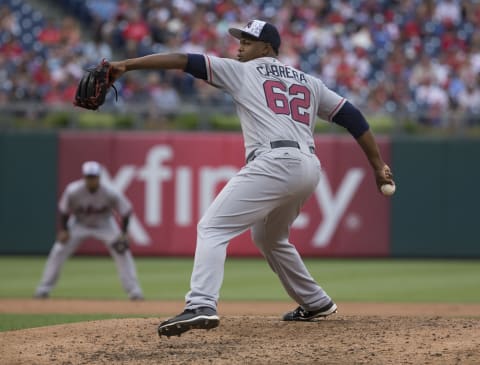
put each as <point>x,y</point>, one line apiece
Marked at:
<point>264,243</point>
<point>205,230</point>
<point>58,248</point>
<point>268,244</point>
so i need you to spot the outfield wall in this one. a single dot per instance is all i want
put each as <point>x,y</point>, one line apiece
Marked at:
<point>171,178</point>
<point>28,191</point>
<point>436,211</point>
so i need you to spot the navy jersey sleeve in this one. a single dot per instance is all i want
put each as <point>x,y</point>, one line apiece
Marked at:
<point>349,117</point>
<point>196,66</point>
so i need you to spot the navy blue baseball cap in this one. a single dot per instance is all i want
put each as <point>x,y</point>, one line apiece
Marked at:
<point>259,30</point>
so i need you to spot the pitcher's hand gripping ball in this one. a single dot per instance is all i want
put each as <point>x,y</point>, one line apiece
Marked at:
<point>93,86</point>
<point>388,189</point>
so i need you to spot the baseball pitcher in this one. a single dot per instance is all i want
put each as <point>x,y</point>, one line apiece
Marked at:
<point>87,211</point>
<point>277,106</point>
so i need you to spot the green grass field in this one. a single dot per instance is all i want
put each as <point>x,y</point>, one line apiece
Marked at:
<point>366,280</point>
<point>385,280</point>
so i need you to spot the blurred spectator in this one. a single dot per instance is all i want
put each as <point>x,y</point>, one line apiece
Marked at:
<point>11,48</point>
<point>134,33</point>
<point>97,49</point>
<point>164,101</point>
<point>447,11</point>
<point>8,22</point>
<point>469,103</point>
<point>157,19</point>
<point>362,38</point>
<point>422,70</point>
<point>432,101</point>
<point>50,33</point>
<point>70,32</point>
<point>41,76</point>
<point>22,87</point>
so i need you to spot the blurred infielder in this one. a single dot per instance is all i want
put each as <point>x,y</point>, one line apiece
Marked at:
<point>87,210</point>
<point>278,106</point>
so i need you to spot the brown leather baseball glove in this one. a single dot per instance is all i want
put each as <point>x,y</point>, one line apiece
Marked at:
<point>93,87</point>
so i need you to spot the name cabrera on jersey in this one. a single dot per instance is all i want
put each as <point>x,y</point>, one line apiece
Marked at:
<point>92,209</point>
<point>275,70</point>
<point>273,101</point>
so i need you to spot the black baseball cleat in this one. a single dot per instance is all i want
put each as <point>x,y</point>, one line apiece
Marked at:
<point>301,314</point>
<point>137,298</point>
<point>200,318</point>
<point>41,295</point>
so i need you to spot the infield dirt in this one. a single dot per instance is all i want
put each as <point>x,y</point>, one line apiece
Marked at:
<point>249,333</point>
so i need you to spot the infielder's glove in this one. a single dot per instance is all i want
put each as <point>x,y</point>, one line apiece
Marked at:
<point>121,244</point>
<point>93,87</point>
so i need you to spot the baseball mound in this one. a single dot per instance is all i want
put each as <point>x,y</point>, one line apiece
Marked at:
<point>249,333</point>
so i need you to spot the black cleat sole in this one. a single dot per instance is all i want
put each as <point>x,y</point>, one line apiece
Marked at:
<point>176,329</point>
<point>301,315</point>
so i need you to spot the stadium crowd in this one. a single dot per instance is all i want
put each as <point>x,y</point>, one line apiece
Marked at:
<point>404,57</point>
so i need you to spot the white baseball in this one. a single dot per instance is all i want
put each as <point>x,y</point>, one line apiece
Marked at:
<point>387,189</point>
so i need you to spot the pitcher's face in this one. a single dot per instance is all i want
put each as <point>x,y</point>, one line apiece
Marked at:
<point>250,49</point>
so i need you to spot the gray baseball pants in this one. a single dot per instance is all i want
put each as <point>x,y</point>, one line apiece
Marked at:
<point>106,233</point>
<point>266,195</point>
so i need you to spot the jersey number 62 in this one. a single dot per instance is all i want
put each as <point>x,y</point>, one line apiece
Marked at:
<point>277,100</point>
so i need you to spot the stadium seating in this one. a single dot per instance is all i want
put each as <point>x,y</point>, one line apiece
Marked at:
<point>368,51</point>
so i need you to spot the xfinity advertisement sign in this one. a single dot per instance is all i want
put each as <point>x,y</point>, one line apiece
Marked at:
<point>171,179</point>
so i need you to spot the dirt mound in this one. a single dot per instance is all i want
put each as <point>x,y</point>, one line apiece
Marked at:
<point>251,339</point>
<point>374,334</point>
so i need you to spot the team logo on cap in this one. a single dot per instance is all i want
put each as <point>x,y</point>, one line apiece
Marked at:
<point>254,27</point>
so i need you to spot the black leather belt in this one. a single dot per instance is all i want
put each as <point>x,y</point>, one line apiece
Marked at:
<point>277,144</point>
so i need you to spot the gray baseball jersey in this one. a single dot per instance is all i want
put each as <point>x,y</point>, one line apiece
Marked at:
<point>92,209</point>
<point>92,216</point>
<point>277,106</point>
<point>273,101</point>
